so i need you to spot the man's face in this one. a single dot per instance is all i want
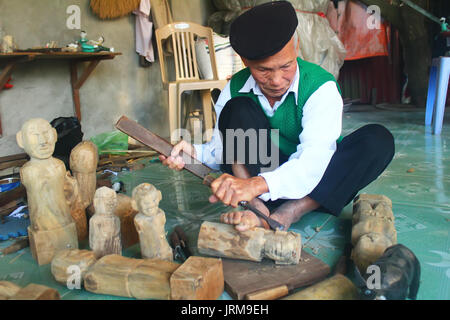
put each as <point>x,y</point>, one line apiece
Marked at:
<point>275,74</point>
<point>39,139</point>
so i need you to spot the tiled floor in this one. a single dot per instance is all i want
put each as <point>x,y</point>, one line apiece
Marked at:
<point>421,205</point>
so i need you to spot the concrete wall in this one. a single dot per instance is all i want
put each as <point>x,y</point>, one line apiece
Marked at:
<point>116,87</point>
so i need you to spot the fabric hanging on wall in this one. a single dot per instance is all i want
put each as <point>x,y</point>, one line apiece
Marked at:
<point>350,21</point>
<point>144,31</point>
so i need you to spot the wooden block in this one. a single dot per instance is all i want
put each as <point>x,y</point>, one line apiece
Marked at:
<point>198,278</point>
<point>8,289</point>
<point>84,259</point>
<point>36,292</point>
<point>244,278</point>
<point>45,244</point>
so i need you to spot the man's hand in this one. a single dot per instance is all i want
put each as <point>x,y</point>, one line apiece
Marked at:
<point>230,190</point>
<point>174,161</point>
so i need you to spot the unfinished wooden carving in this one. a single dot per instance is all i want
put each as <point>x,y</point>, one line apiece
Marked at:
<point>65,263</point>
<point>127,277</point>
<point>104,226</point>
<point>223,240</point>
<point>83,163</point>
<point>52,227</point>
<point>150,222</point>
<point>373,229</point>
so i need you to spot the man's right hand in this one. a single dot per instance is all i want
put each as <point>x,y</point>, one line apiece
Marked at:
<point>174,161</point>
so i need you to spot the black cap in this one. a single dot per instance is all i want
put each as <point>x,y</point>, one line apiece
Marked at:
<point>263,30</point>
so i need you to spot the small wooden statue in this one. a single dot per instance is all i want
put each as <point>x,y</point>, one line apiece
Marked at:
<point>52,227</point>
<point>150,223</point>
<point>104,226</point>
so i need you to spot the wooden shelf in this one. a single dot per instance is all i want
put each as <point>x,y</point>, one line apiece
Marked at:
<point>10,60</point>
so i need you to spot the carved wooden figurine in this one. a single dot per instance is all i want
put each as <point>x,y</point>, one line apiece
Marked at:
<point>150,223</point>
<point>52,227</point>
<point>83,163</point>
<point>223,240</point>
<point>104,226</point>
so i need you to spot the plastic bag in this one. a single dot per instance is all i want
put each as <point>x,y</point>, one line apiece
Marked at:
<point>108,141</point>
<point>227,60</point>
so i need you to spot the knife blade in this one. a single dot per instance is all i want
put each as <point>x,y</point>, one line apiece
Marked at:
<point>152,140</point>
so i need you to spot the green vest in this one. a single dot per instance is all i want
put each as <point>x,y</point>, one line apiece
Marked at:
<point>288,116</point>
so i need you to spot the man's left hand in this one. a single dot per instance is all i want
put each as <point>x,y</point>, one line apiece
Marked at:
<point>230,190</point>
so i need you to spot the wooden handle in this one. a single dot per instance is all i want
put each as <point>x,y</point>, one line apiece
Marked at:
<point>268,294</point>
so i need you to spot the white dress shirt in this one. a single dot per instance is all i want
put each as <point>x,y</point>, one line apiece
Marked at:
<point>322,125</point>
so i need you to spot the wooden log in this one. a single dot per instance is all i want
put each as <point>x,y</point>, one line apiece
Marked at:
<point>104,226</point>
<point>36,292</point>
<point>8,289</point>
<point>198,278</point>
<point>64,259</point>
<point>337,287</point>
<point>223,240</point>
<point>16,246</point>
<point>127,277</point>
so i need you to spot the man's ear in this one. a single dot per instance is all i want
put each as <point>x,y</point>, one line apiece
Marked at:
<point>245,61</point>
<point>19,139</point>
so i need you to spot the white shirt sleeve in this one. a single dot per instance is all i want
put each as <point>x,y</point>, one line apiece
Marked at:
<point>322,125</point>
<point>210,153</point>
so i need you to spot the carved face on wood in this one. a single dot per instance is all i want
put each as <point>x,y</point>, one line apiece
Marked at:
<point>146,198</point>
<point>37,138</point>
<point>105,200</point>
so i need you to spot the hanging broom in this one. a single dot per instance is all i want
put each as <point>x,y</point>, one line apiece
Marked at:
<point>111,9</point>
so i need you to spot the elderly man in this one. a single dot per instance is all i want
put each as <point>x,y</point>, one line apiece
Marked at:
<point>300,104</point>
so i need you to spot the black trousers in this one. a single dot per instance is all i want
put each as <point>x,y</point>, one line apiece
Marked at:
<point>359,158</point>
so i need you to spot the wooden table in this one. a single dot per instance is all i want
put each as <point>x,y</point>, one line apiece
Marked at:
<point>10,60</point>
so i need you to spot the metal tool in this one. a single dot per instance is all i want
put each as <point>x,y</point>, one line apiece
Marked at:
<point>175,243</point>
<point>275,225</point>
<point>183,241</point>
<point>141,134</point>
